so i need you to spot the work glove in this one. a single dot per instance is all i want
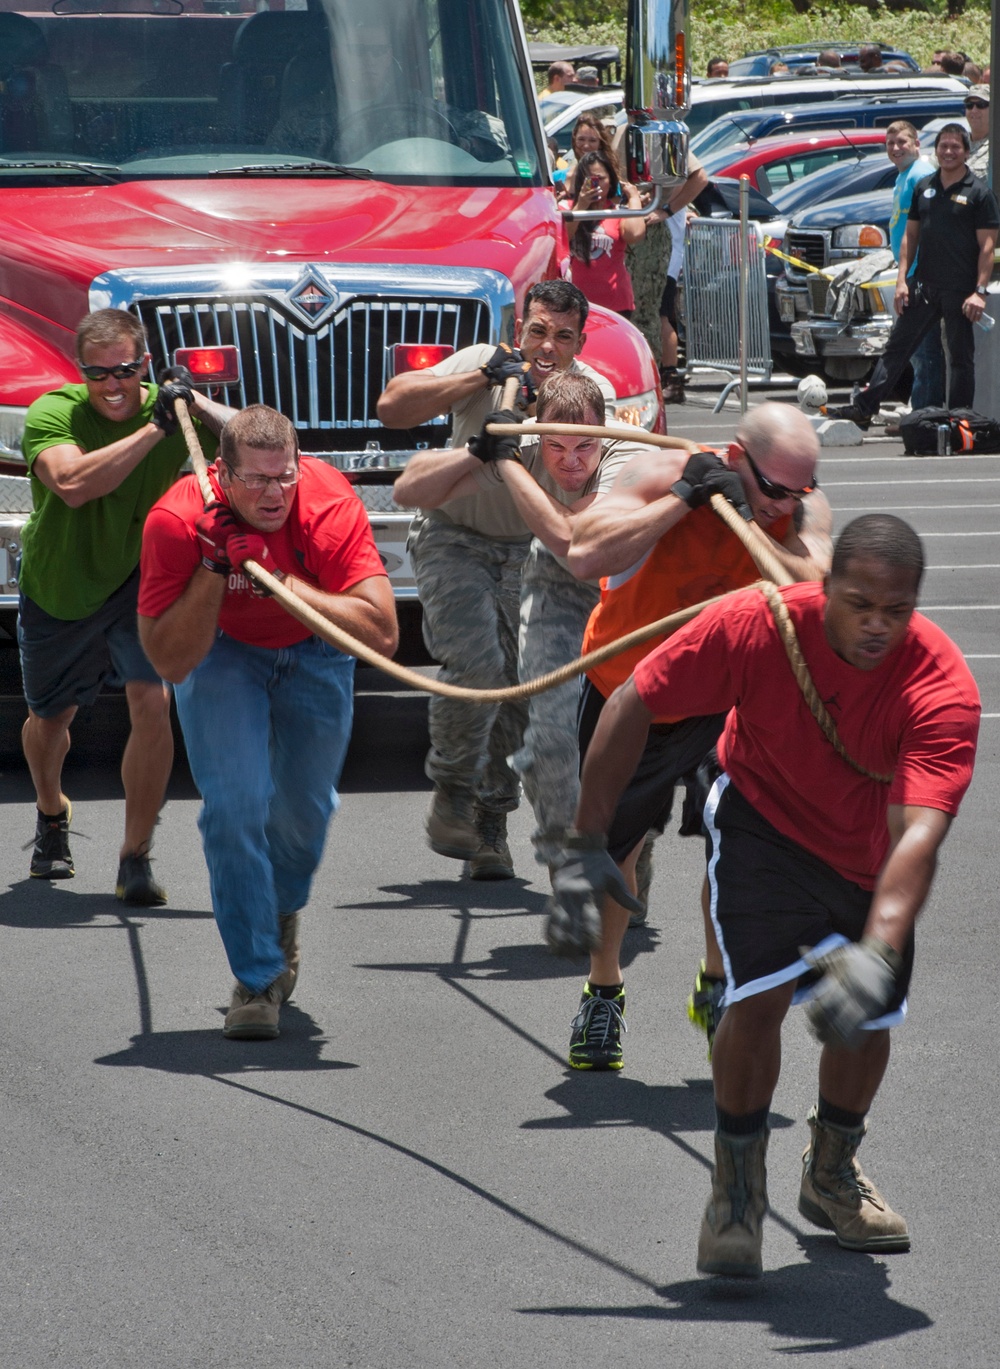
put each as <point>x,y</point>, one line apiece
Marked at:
<point>214,528</point>
<point>730,486</point>
<point>699,465</point>
<point>250,546</point>
<point>507,363</point>
<point>175,383</point>
<point>581,874</point>
<point>488,447</point>
<point>706,474</point>
<point>858,982</point>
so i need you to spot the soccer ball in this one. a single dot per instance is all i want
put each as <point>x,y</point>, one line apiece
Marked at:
<point>811,394</point>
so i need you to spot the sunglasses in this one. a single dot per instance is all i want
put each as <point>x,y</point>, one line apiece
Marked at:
<point>774,491</point>
<point>976,104</point>
<point>124,372</point>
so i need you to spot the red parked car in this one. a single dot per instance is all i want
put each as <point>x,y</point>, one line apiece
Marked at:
<point>773,163</point>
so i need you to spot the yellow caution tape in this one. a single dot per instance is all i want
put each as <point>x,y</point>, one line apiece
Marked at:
<point>804,266</point>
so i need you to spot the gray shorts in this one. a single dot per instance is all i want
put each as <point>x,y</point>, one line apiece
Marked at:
<point>65,662</point>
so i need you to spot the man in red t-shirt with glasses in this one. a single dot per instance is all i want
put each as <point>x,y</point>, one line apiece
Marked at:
<point>265,705</point>
<point>817,871</point>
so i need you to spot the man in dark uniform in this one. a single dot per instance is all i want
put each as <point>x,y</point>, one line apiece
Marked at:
<point>953,220</point>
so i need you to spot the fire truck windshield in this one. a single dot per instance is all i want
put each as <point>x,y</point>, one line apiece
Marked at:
<point>412,91</point>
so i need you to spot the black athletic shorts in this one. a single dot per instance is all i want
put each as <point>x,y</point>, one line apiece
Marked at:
<point>673,753</point>
<point>770,896</point>
<point>668,302</point>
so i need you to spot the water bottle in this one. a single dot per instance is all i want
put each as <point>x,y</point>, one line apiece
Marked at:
<point>944,439</point>
<point>985,321</point>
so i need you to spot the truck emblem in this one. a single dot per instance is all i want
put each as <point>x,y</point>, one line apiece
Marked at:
<point>311,297</point>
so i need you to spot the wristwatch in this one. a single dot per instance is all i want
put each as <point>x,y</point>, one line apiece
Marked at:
<point>980,290</point>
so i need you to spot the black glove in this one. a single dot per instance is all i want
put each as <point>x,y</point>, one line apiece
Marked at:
<point>730,486</point>
<point>214,528</point>
<point>706,474</point>
<point>688,487</point>
<point>858,982</point>
<point>488,447</point>
<point>179,373</point>
<point>506,363</point>
<point>175,383</point>
<point>582,873</point>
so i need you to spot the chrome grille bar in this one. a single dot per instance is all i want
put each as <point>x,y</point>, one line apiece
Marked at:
<point>327,378</point>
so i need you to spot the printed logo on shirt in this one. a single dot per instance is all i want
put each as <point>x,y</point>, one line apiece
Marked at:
<point>601,244</point>
<point>929,193</point>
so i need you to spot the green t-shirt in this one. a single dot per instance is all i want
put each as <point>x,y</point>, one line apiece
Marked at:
<point>74,559</point>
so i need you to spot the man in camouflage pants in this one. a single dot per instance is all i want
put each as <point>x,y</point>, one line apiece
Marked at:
<point>467,552</point>
<point>550,480</point>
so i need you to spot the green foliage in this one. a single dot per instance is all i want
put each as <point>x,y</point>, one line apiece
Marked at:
<point>720,28</point>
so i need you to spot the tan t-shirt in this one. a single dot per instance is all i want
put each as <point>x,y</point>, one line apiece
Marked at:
<point>614,456</point>
<point>491,514</point>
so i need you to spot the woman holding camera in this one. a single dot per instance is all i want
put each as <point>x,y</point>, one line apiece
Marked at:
<point>597,246</point>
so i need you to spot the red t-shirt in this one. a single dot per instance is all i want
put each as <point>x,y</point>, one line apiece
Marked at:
<point>326,541</point>
<point>605,279</point>
<point>915,717</point>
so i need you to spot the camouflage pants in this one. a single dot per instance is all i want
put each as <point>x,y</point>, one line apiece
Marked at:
<point>470,587</point>
<point>554,612</point>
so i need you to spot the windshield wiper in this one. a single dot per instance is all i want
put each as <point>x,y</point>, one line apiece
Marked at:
<point>292,168</point>
<point>103,170</point>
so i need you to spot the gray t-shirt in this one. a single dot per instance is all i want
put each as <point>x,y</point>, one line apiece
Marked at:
<point>493,513</point>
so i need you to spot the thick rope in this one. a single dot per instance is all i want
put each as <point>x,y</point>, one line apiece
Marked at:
<point>751,537</point>
<point>322,627</point>
<point>786,631</point>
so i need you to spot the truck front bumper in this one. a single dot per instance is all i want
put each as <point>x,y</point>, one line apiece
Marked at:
<point>825,338</point>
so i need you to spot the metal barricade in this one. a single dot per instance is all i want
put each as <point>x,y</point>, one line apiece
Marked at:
<point>720,264</point>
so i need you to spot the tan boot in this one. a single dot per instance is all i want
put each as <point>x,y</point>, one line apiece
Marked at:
<point>732,1228</point>
<point>253,1016</point>
<point>450,828</point>
<point>493,859</point>
<point>836,1195</point>
<point>288,938</point>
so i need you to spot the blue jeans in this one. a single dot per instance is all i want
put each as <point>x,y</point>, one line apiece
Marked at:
<point>266,733</point>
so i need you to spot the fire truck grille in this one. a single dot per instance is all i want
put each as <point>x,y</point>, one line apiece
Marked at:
<point>327,379</point>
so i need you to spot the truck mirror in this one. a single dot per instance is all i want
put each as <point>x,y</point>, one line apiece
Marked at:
<point>657,90</point>
<point>656,152</point>
<point>657,80</point>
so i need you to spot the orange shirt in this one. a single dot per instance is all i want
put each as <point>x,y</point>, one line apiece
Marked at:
<point>697,559</point>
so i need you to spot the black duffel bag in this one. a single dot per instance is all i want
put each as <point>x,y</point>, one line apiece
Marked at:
<point>967,431</point>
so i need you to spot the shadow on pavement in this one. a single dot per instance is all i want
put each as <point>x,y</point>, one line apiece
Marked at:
<point>53,905</point>
<point>836,1301</point>
<point>209,1053</point>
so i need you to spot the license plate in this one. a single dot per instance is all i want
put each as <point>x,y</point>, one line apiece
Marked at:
<point>786,309</point>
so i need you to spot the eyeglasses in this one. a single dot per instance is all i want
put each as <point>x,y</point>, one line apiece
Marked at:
<point>256,484</point>
<point>123,372</point>
<point>773,490</point>
<point>976,104</point>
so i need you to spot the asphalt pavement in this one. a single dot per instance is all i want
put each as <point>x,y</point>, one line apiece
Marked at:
<point>410,1175</point>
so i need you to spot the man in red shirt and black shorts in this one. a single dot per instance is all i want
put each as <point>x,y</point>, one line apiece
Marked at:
<point>818,865</point>
<point>265,706</point>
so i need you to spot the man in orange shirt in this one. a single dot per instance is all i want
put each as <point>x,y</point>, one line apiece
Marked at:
<point>660,547</point>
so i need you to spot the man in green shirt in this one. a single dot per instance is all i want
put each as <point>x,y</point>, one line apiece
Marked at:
<point>99,454</point>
